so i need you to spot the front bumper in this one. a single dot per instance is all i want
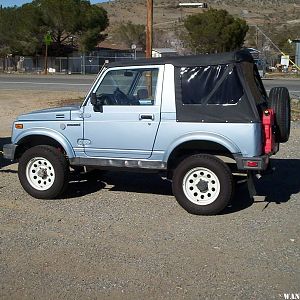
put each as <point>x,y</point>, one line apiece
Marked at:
<point>257,163</point>
<point>9,151</point>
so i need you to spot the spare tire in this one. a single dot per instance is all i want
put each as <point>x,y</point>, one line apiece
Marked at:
<point>280,102</point>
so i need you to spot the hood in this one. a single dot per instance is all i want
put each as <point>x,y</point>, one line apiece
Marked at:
<point>51,114</point>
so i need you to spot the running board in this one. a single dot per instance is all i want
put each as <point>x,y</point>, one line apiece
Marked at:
<point>118,163</point>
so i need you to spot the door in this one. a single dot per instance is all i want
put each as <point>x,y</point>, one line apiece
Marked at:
<point>127,124</point>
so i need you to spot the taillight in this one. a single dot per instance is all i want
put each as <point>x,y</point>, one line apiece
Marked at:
<point>268,122</point>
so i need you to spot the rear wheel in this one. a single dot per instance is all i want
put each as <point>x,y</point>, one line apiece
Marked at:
<point>43,172</point>
<point>203,184</point>
<point>279,101</point>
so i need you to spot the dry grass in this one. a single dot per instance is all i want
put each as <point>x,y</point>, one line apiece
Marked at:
<point>295,110</point>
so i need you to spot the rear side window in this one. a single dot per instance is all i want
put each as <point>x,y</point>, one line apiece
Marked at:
<point>211,85</point>
<point>255,84</point>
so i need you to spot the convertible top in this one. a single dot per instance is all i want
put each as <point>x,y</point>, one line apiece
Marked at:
<point>212,88</point>
<point>194,60</point>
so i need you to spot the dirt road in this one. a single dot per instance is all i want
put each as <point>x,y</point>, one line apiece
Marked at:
<point>123,236</point>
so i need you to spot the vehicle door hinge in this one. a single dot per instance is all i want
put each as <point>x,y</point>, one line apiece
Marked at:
<point>84,115</point>
<point>83,142</point>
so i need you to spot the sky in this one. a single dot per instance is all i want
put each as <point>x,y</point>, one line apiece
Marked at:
<point>21,2</point>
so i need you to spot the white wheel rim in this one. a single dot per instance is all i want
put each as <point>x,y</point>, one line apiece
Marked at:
<point>201,186</point>
<point>40,173</point>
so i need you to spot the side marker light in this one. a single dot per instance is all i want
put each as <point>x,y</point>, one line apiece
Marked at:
<point>252,164</point>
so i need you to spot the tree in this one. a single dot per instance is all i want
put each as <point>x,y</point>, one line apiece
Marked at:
<point>129,33</point>
<point>5,23</point>
<point>215,31</point>
<point>19,34</point>
<point>71,23</point>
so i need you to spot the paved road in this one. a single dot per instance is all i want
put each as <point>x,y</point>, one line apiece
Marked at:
<point>46,83</point>
<point>292,84</point>
<point>82,83</point>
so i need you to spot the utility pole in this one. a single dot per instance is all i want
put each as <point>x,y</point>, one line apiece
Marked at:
<point>149,29</point>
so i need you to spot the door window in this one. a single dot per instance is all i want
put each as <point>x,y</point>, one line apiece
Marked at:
<point>128,87</point>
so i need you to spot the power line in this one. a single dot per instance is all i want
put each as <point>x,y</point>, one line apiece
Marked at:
<point>274,45</point>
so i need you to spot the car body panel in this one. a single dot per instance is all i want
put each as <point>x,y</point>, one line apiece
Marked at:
<point>236,138</point>
<point>119,131</point>
<point>51,114</point>
<point>66,130</point>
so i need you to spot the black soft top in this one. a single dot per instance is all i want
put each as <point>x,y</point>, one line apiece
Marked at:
<point>187,61</point>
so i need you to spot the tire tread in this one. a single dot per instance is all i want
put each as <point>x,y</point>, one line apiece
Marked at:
<point>62,171</point>
<point>226,190</point>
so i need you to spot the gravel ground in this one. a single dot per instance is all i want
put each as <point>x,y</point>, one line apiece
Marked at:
<point>13,103</point>
<point>123,236</point>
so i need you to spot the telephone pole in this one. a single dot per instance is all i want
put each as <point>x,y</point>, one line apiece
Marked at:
<point>149,29</point>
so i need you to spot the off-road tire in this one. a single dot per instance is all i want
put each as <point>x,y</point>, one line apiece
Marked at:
<point>58,164</point>
<point>210,172</point>
<point>280,102</point>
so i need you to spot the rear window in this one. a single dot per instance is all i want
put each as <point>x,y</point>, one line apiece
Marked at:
<point>211,85</point>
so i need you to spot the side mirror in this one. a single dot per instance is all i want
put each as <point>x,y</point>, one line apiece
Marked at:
<point>96,103</point>
<point>94,99</point>
<point>128,74</point>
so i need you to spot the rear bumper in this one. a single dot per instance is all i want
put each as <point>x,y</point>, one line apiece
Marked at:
<point>9,151</point>
<point>257,163</point>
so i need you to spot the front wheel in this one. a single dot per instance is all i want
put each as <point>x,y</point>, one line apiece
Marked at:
<point>43,172</point>
<point>203,184</point>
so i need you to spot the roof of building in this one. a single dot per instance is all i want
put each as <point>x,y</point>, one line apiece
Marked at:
<point>165,50</point>
<point>186,61</point>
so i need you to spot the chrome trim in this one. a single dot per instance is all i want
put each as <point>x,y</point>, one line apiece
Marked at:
<point>119,163</point>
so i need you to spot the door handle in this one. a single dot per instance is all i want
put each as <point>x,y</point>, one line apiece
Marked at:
<point>146,117</point>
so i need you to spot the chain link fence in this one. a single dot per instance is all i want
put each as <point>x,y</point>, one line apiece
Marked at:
<point>66,65</point>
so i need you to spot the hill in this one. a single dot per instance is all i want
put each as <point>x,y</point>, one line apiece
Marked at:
<point>272,16</point>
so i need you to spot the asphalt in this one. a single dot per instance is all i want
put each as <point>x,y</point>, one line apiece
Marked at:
<point>292,84</point>
<point>81,83</point>
<point>78,83</point>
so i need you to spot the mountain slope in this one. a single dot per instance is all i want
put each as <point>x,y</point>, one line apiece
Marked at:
<point>168,16</point>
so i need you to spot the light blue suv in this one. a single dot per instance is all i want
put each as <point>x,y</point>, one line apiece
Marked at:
<point>196,119</point>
